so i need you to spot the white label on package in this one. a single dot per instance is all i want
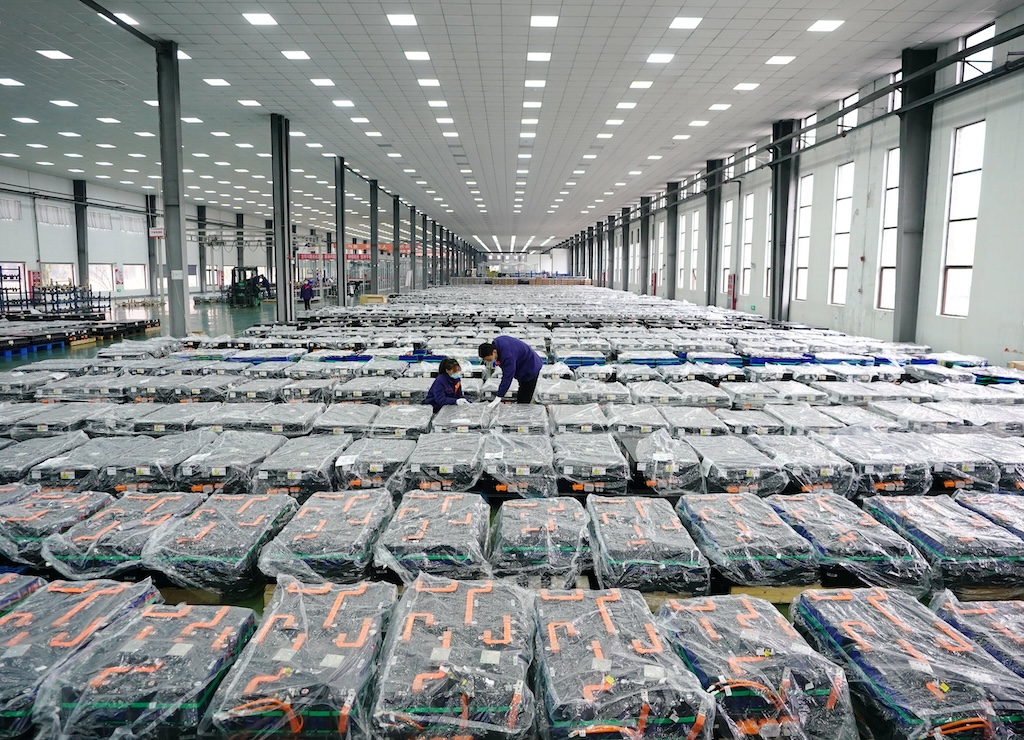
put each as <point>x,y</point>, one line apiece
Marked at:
<point>67,475</point>
<point>179,649</point>
<point>111,471</point>
<point>439,654</point>
<point>263,475</point>
<point>654,671</point>
<point>567,470</point>
<point>414,467</point>
<point>586,428</point>
<point>218,472</point>
<point>346,461</point>
<point>599,471</point>
<point>522,471</point>
<point>490,657</point>
<point>277,427</point>
<point>379,468</point>
<point>494,455</point>
<point>294,475</point>
<point>662,456</point>
<point>283,655</point>
<point>159,427</point>
<point>600,664</point>
<point>332,660</point>
<point>446,469</point>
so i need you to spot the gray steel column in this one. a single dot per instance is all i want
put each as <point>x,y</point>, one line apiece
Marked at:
<point>785,165</point>
<point>610,237</point>
<point>426,262</point>
<point>412,245</point>
<point>280,151</point>
<point>169,111</point>
<point>571,249</point>
<point>82,230</point>
<point>915,145</point>
<point>598,249</point>
<point>713,230</point>
<point>396,249</point>
<point>645,245</point>
<point>268,224</point>
<point>239,246</point>
<point>374,238</point>
<point>151,242</point>
<point>341,271</point>
<point>672,242</point>
<point>433,252</point>
<point>201,223</point>
<point>624,225</point>
<point>591,272</point>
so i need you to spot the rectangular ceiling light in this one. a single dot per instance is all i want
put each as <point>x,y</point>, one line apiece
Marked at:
<point>538,56</point>
<point>401,19</point>
<point>543,21</point>
<point>640,84</point>
<point>698,123</point>
<point>182,56</point>
<point>72,134</point>
<point>445,120</point>
<point>249,103</point>
<point>660,58</point>
<point>429,83</point>
<point>626,106</point>
<point>417,56</point>
<point>295,55</point>
<point>530,121</point>
<point>108,120</point>
<point>53,54</point>
<point>10,82</point>
<point>322,82</point>
<point>260,19</point>
<point>437,103</point>
<point>613,122</point>
<point>64,104</point>
<point>531,104</point>
<point>747,86</point>
<point>720,106</point>
<point>338,103</point>
<point>536,83</point>
<point>217,82</point>
<point>825,26</point>
<point>780,60</point>
<point>359,120</point>
<point>681,137</point>
<point>191,120</point>
<point>685,23</point>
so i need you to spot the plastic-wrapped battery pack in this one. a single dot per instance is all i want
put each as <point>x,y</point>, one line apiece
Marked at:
<point>883,464</point>
<point>514,418</point>
<point>655,392</point>
<point>556,390</point>
<point>16,460</point>
<point>347,418</point>
<point>52,421</point>
<point>598,391</point>
<point>12,413</point>
<point>683,420</point>
<point>750,422</point>
<point>115,420</point>
<point>289,419</point>
<point>373,463</point>
<point>301,467</point>
<point>309,668</point>
<point>80,469</point>
<point>998,626</point>
<point>174,418</point>
<point>634,421</point>
<point>47,629</point>
<point>747,541</point>
<point>790,391</point>
<point>802,418</point>
<point>445,462</point>
<point>630,374</point>
<point>591,463</point>
<point>228,463</point>
<point>26,521</point>
<point>541,544</point>
<point>954,466</point>
<point>111,541</point>
<point>151,676</point>
<point>666,466</point>
<point>733,465</point>
<point>361,390</point>
<point>257,390</point>
<point>915,417</point>
<point>639,543</point>
<point>966,550</point>
<point>474,417</point>
<point>855,416</point>
<point>331,538</point>
<point>911,675</point>
<point>604,668</point>
<point>216,547</point>
<point>406,390</point>
<point>441,534</point>
<point>1007,454</point>
<point>310,390</point>
<point>811,468</point>
<point>153,466</point>
<point>521,464</point>
<point>766,679</point>
<point>749,395</point>
<point>586,418</point>
<point>851,544</point>
<point>402,421</point>
<point>455,663</point>
<point>15,587</point>
<point>1006,511</point>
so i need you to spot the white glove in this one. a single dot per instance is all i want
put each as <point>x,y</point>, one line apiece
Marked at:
<point>495,402</point>
<point>462,402</point>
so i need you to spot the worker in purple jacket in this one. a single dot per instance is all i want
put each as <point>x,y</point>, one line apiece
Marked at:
<point>517,360</point>
<point>446,389</point>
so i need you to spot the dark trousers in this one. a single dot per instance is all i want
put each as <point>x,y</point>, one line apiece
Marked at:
<point>306,301</point>
<point>526,389</point>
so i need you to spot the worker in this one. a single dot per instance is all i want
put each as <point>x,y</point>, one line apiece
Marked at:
<point>446,389</point>
<point>306,293</point>
<point>517,360</point>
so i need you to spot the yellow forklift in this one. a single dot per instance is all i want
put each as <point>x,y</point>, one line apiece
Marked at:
<point>244,291</point>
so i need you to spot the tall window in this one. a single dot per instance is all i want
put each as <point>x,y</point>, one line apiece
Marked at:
<point>895,101</point>
<point>848,120</point>
<point>681,256</point>
<point>768,228</point>
<point>750,163</point>
<point>730,167</point>
<point>842,220</point>
<point>727,222</point>
<point>979,62</point>
<point>803,235</point>
<point>962,225</point>
<point>661,255</point>
<point>101,277</point>
<point>747,246</point>
<point>886,293</point>
<point>694,247</point>
<point>57,273</point>
<point>810,136</point>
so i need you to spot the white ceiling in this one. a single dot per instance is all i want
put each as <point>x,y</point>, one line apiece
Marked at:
<point>478,54</point>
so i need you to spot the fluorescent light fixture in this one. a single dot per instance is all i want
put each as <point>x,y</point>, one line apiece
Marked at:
<point>10,82</point>
<point>429,83</point>
<point>74,156</point>
<point>37,146</point>
<point>260,19</point>
<point>322,82</point>
<point>53,54</point>
<point>437,103</point>
<point>263,155</point>
<point>825,26</point>
<point>640,84</point>
<point>152,103</point>
<point>188,119</point>
<point>401,19</point>
<point>536,83</point>
<point>680,137</point>
<point>136,155</point>
<point>655,156</point>
<point>220,134</point>
<point>720,106</point>
<point>698,123</point>
<point>579,172</point>
<point>217,82</point>
<point>64,104</point>
<point>613,122</point>
<point>108,120</point>
<point>657,58</point>
<point>604,136</point>
<point>359,119</point>
<point>72,134</point>
<point>200,154</point>
<point>409,172</point>
<point>340,103</point>
<point>527,135</point>
<point>105,164</point>
<point>525,156</point>
<point>531,104</point>
<point>450,134</point>
<point>125,18</point>
<point>106,146</point>
<point>543,21</point>
<point>522,172</point>
<point>590,156</point>
<point>530,121</point>
<point>780,60</point>
<point>45,164</point>
<point>538,56</point>
<point>747,86</point>
<point>417,56</point>
<point>374,134</point>
<point>299,134</point>
<point>445,120</point>
<point>183,57</point>
<point>685,23</point>
<point>626,106</point>
<point>394,155</point>
<point>620,184</point>
<point>244,146</point>
<point>21,119</point>
<point>295,55</point>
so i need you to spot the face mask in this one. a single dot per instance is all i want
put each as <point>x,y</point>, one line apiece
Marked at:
<point>489,363</point>
<point>456,376</point>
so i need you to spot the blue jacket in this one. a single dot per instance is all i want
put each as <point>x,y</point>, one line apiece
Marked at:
<point>517,360</point>
<point>306,293</point>
<point>444,392</point>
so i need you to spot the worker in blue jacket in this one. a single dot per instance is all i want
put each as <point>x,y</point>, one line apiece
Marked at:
<point>517,360</point>
<point>447,387</point>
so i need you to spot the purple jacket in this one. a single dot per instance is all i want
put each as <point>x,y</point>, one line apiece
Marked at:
<point>444,392</point>
<point>517,360</point>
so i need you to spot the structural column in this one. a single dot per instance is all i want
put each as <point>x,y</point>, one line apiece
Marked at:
<point>201,238</point>
<point>412,245</point>
<point>672,242</point>
<point>785,167</point>
<point>599,251</point>
<point>424,242</point>
<point>915,144</point>
<point>169,111</point>
<point>268,224</point>
<point>591,272</point>
<point>82,231</point>
<point>239,247</point>
<point>645,245</point>
<point>624,230</point>
<point>341,271</point>
<point>610,236</point>
<point>713,228</point>
<point>151,243</point>
<point>433,252</point>
<point>374,238</point>
<point>280,153</point>
<point>396,250</point>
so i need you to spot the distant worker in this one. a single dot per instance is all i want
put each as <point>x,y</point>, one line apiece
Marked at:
<point>517,360</point>
<point>447,387</point>
<point>306,293</point>
<point>264,284</point>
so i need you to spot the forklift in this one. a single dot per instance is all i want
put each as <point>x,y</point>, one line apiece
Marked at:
<point>244,291</point>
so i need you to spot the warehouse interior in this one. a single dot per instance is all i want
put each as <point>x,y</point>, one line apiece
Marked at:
<point>482,370</point>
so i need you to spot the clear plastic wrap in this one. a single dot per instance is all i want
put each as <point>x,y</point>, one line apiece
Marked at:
<point>445,462</point>
<point>268,354</point>
<point>152,466</point>
<point>848,393</point>
<point>111,541</point>
<point>639,543</point>
<point>410,421</point>
<point>257,390</point>
<point>17,459</point>
<point>373,463</point>
<point>423,370</point>
<point>331,538</point>
<point>628,374</point>
<point>911,675</point>
<point>802,418</point>
<point>604,668</point>
<point>852,373</point>
<point>206,389</point>
<point>939,374</point>
<point>634,421</point>
<point>1004,510</point>
<point>12,413</point>
<point>591,463</point>
<point>679,373</point>
<point>915,417</point>
<point>489,390</point>
<point>52,421</point>
<point>156,389</point>
<point>852,545</point>
<point>346,418</point>
<point>46,630</point>
<point>733,465</point>
<point>766,679</point>
<point>270,369</point>
<point>301,467</point>
<point>406,390</point>
<point>228,464</point>
<point>520,464</point>
<point>26,521</point>
<point>21,386</point>
<point>749,395</point>
<point>216,547</point>
<point>15,587</point>
<point>683,420</point>
<point>883,464</point>
<point>368,389</point>
<point>811,467</point>
<point>974,417</point>
<point>714,372</point>
<point>747,541</point>
<point>655,392</point>
<point>856,416</point>
<point>750,422</point>
<point>667,466</point>
<point>328,370</point>
<point>308,671</point>
<point>515,418</point>
<point>310,390</point>
<point>965,549</point>
<point>998,626</point>
<point>380,367</point>
<point>972,393</point>
<point>174,418</point>
<point>80,469</point>
<point>473,417</point>
<point>556,390</point>
<point>151,676</point>
<point>598,391</point>
<point>441,534</point>
<point>587,418</point>
<point>766,373</point>
<point>956,467</point>
<point>541,544</point>
<point>651,357</point>
<point>602,373</point>
<point>456,662</point>
<point>811,373</point>
<point>557,370</point>
<point>1007,454</point>
<point>69,365</point>
<point>790,391</point>
<point>697,393</point>
<point>115,420</point>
